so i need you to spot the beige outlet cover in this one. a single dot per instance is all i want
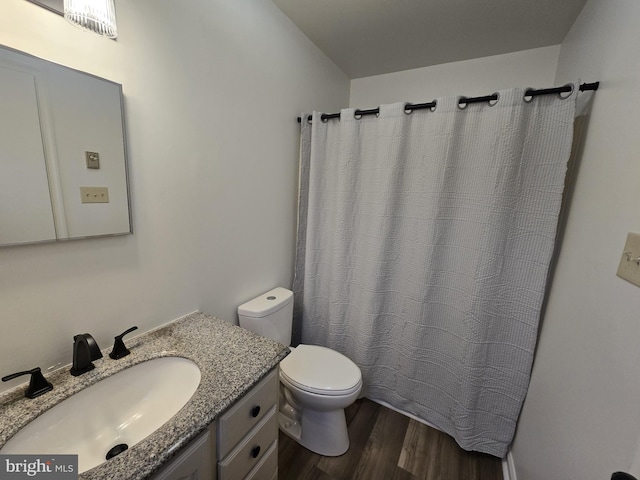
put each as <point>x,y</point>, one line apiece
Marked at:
<point>629,267</point>
<point>94,194</point>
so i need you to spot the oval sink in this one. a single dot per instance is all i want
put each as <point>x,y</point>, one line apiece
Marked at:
<point>122,409</point>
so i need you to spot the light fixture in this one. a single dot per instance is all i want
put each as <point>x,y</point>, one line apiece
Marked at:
<point>97,16</point>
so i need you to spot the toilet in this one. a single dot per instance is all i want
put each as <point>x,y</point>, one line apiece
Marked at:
<point>316,383</point>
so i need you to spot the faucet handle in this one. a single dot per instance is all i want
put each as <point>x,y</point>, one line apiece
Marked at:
<point>38,384</point>
<point>119,348</point>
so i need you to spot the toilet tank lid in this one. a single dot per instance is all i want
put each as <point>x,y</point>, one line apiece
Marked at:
<point>267,303</point>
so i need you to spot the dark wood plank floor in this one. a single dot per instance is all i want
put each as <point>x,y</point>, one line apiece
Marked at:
<point>386,445</point>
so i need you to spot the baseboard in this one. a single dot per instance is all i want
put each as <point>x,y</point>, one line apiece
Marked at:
<point>508,467</point>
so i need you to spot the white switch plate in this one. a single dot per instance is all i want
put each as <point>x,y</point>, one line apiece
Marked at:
<point>94,194</point>
<point>629,267</point>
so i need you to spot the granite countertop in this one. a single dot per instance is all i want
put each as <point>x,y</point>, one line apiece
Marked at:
<point>231,361</point>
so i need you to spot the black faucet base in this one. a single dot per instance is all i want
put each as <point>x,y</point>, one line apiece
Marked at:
<point>37,393</point>
<point>75,372</point>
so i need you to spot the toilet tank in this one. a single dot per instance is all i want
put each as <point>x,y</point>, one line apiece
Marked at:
<point>269,315</point>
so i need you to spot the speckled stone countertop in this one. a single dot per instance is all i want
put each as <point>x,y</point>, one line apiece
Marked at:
<point>231,361</point>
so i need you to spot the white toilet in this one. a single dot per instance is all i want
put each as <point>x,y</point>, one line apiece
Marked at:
<point>317,383</point>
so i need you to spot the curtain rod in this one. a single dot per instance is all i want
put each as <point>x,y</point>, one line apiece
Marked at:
<point>530,92</point>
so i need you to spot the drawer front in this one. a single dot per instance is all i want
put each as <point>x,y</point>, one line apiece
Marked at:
<point>247,413</point>
<point>251,450</point>
<point>267,469</point>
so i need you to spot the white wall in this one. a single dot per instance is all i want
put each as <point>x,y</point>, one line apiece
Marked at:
<point>481,76</point>
<point>581,416</point>
<point>212,89</point>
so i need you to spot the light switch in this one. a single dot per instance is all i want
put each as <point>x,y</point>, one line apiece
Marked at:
<point>629,267</point>
<point>93,159</point>
<point>94,194</point>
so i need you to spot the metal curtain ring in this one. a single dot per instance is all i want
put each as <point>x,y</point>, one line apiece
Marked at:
<point>493,102</point>
<point>462,103</point>
<point>567,94</point>
<point>527,97</point>
<point>324,118</point>
<point>407,110</point>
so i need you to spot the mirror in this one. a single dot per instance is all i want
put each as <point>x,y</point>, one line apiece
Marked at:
<point>63,165</point>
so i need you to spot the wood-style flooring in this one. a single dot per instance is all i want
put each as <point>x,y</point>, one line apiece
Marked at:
<point>386,445</point>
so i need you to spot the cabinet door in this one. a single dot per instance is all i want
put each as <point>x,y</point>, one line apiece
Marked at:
<point>194,462</point>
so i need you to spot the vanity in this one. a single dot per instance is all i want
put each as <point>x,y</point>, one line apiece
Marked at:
<point>227,430</point>
<point>241,444</point>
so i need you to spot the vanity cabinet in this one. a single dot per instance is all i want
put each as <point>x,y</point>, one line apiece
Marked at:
<point>194,461</point>
<point>241,444</point>
<point>247,443</point>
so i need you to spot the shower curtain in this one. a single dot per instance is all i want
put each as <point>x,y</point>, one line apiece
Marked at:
<point>424,243</point>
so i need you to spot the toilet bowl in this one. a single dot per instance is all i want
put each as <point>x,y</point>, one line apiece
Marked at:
<point>316,383</point>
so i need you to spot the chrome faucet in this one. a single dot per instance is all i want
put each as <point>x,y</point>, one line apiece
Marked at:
<point>85,351</point>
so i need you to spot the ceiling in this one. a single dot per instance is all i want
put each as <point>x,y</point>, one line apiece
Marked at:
<point>371,37</point>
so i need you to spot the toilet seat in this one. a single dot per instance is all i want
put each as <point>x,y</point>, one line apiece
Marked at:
<point>320,370</point>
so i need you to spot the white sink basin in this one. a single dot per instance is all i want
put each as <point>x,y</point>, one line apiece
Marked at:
<point>121,409</point>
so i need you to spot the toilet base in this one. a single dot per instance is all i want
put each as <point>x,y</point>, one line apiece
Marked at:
<point>324,433</point>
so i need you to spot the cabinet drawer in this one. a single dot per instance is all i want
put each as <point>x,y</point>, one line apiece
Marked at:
<point>247,413</point>
<point>267,469</point>
<point>251,450</point>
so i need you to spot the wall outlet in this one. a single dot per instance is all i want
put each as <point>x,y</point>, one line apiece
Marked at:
<point>94,194</point>
<point>629,267</point>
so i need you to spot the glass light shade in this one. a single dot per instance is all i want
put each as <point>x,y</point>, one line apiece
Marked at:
<point>97,16</point>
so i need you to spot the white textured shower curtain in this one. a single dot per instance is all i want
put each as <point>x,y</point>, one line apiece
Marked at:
<point>424,243</point>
